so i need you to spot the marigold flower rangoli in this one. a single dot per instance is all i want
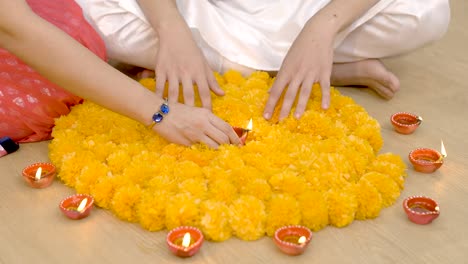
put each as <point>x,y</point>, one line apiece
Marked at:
<point>324,169</point>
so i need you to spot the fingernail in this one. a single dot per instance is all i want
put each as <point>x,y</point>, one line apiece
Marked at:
<point>267,116</point>
<point>297,115</point>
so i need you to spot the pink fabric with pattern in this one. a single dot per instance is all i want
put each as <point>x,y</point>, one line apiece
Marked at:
<point>29,103</point>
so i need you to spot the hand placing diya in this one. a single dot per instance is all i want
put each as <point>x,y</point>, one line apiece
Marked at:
<point>184,241</point>
<point>405,123</point>
<point>242,133</point>
<point>77,206</point>
<point>420,209</point>
<point>427,160</point>
<point>292,240</point>
<point>39,175</point>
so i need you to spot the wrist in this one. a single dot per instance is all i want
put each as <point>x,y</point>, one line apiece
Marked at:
<point>160,114</point>
<point>326,24</point>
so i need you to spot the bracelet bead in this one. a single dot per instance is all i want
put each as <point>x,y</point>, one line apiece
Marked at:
<point>159,115</point>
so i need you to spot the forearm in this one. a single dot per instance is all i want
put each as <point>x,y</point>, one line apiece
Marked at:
<point>163,15</point>
<point>65,62</point>
<point>338,14</point>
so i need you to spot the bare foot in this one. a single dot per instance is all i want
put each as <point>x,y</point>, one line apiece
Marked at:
<point>369,73</point>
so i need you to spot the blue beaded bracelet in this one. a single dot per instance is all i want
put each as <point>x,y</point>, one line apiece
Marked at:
<point>159,115</point>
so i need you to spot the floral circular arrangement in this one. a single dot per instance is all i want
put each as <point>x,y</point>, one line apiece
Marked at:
<point>323,169</point>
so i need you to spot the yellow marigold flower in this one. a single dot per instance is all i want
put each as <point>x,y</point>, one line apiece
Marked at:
<point>72,164</point>
<point>369,200</point>
<point>89,175</point>
<point>342,206</point>
<point>188,170</point>
<point>283,210</point>
<point>234,77</point>
<point>193,154</point>
<point>118,160</point>
<point>213,173</point>
<point>196,187</point>
<point>385,185</point>
<point>258,188</point>
<point>254,84</point>
<point>162,183</point>
<point>314,209</point>
<point>149,83</point>
<point>124,202</point>
<point>374,139</point>
<point>151,210</point>
<point>260,75</point>
<point>246,225</point>
<point>182,210</point>
<point>103,191</point>
<point>392,165</point>
<point>214,220</point>
<point>222,190</point>
<point>394,171</point>
<point>288,182</point>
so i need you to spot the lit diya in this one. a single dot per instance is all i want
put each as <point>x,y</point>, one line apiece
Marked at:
<point>39,175</point>
<point>184,241</point>
<point>292,240</point>
<point>242,133</point>
<point>405,123</point>
<point>427,160</point>
<point>77,206</point>
<point>420,209</point>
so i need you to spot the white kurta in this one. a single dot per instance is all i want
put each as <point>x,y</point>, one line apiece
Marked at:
<point>257,34</point>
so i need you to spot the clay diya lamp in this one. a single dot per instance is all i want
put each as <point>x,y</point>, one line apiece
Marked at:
<point>39,175</point>
<point>292,240</point>
<point>184,241</point>
<point>77,206</point>
<point>427,160</point>
<point>242,133</point>
<point>405,123</point>
<point>420,209</point>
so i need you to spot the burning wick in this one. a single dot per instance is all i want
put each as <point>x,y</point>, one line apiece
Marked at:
<point>250,126</point>
<point>248,129</point>
<point>186,240</point>
<point>82,205</point>
<point>301,240</point>
<point>38,174</point>
<point>443,152</point>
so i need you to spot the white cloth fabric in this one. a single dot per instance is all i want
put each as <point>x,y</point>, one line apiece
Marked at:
<point>257,34</point>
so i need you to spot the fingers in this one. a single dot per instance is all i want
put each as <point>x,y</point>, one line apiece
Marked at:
<point>218,133</point>
<point>173,89</point>
<point>325,86</point>
<point>214,86</point>
<point>189,97</point>
<point>209,142</point>
<point>160,84</point>
<point>226,130</point>
<point>289,98</point>
<point>304,96</point>
<point>204,93</point>
<point>275,93</point>
<point>305,85</point>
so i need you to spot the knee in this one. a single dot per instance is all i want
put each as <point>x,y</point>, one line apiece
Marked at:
<point>429,21</point>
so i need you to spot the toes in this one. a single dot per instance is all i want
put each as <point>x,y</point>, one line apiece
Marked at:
<point>391,82</point>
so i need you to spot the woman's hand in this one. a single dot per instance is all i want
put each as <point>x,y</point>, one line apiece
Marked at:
<point>180,61</point>
<point>308,61</point>
<point>188,125</point>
